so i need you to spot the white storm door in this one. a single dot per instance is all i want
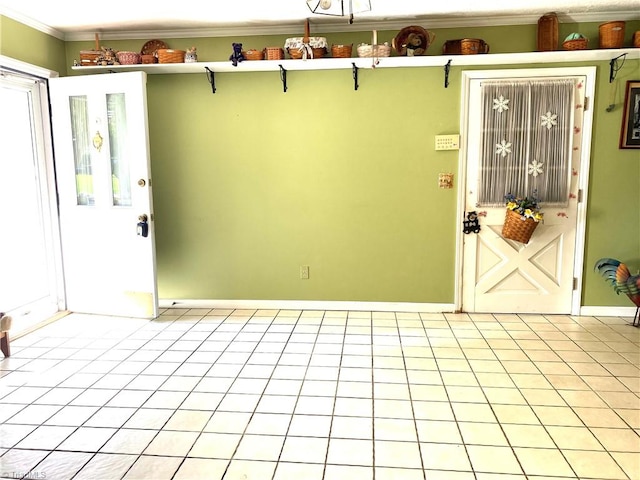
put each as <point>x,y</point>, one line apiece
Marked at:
<point>501,275</point>
<point>30,272</point>
<point>104,183</point>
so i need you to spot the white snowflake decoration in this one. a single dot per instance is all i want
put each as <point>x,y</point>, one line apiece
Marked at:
<point>549,120</point>
<point>500,104</point>
<point>503,148</point>
<point>535,168</point>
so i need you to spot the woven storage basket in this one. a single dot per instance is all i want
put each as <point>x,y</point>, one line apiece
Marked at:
<point>577,44</point>
<point>306,47</point>
<point>368,51</point>
<point>465,46</point>
<point>148,58</point>
<point>129,58</point>
<point>517,228</point>
<point>402,41</point>
<point>274,53</point>
<point>88,57</point>
<point>254,54</point>
<point>636,39</point>
<point>341,51</point>
<point>169,55</point>
<point>296,54</point>
<point>611,34</point>
<point>548,32</point>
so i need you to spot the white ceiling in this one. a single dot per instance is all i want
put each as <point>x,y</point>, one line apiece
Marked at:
<point>75,19</point>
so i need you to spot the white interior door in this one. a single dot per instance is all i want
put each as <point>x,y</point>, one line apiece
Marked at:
<point>104,182</point>
<point>543,276</point>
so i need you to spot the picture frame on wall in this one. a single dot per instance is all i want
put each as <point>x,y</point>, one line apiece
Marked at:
<point>630,131</point>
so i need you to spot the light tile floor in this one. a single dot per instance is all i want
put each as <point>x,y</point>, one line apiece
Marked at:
<point>305,395</point>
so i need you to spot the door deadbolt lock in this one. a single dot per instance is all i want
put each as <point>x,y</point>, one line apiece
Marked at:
<point>142,229</point>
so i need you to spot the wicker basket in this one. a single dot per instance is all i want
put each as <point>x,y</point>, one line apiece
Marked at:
<point>148,58</point>
<point>611,34</point>
<point>274,53</point>
<point>297,54</point>
<point>548,32</point>
<point>169,55</point>
<point>129,58</point>
<point>367,51</point>
<point>254,54</point>
<point>636,39</point>
<point>465,46</point>
<point>576,44</point>
<point>517,228</point>
<point>88,58</point>
<point>402,41</point>
<point>307,46</point>
<point>341,51</point>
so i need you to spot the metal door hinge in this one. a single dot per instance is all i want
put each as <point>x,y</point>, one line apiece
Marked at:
<point>586,103</point>
<point>575,283</point>
<point>580,195</point>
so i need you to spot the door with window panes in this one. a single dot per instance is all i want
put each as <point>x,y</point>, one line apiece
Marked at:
<point>104,182</point>
<point>526,138</point>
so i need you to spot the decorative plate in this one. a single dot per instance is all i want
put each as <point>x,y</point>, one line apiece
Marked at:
<point>151,46</point>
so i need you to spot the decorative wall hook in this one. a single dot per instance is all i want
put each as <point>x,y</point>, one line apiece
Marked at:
<point>212,79</point>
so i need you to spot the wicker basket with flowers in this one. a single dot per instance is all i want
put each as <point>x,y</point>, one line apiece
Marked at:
<point>522,217</point>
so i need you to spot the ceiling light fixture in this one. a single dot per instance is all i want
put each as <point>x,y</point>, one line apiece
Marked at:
<point>339,8</point>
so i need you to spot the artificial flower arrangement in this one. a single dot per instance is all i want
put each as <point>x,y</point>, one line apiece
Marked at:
<point>522,217</point>
<point>527,207</point>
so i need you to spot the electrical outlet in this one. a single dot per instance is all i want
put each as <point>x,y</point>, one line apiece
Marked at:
<point>448,142</point>
<point>304,272</point>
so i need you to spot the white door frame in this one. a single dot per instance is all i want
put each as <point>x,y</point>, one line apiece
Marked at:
<point>583,176</point>
<point>48,188</point>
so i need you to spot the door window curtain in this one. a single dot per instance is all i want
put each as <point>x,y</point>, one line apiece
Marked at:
<point>526,140</point>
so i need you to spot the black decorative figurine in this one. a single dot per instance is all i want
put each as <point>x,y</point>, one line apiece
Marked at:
<point>471,224</point>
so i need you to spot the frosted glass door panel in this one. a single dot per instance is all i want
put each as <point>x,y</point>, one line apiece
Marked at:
<point>78,108</point>
<point>119,153</point>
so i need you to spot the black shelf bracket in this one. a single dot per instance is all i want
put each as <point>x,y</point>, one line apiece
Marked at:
<point>614,68</point>
<point>355,76</point>
<point>283,77</point>
<point>447,67</point>
<point>212,79</point>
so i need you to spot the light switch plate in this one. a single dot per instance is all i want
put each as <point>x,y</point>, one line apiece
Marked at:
<point>448,142</point>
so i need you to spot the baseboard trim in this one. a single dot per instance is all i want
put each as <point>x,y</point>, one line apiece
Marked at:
<point>311,305</point>
<point>589,311</point>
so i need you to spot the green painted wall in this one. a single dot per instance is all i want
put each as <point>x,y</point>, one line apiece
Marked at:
<point>32,46</point>
<point>251,183</point>
<point>613,229</point>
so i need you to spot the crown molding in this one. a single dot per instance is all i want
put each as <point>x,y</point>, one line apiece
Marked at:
<point>322,25</point>
<point>30,22</point>
<point>359,25</point>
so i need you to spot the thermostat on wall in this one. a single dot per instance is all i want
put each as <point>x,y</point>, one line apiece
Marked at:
<point>448,142</point>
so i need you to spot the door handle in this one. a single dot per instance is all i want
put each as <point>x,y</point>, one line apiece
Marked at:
<point>143,226</point>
